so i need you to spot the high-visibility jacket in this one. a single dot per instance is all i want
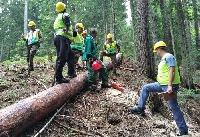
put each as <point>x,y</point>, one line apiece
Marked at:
<point>59,26</point>
<point>111,47</point>
<point>164,74</point>
<point>32,37</point>
<point>78,42</point>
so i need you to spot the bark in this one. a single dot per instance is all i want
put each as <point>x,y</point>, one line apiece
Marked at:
<point>196,24</point>
<point>135,47</point>
<point>18,117</point>
<point>165,21</point>
<point>186,52</point>
<point>25,17</point>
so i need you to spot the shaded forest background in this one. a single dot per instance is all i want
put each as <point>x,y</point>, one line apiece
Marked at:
<point>174,21</point>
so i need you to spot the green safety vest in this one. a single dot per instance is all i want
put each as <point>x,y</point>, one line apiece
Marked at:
<point>78,42</point>
<point>59,26</point>
<point>164,74</point>
<point>111,48</point>
<point>32,40</point>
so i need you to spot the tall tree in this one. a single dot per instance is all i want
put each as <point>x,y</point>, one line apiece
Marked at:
<point>196,23</point>
<point>144,49</point>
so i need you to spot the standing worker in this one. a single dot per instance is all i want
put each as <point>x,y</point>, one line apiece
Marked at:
<point>168,82</point>
<point>91,54</point>
<point>62,41</point>
<point>32,40</point>
<point>110,49</point>
<point>78,43</point>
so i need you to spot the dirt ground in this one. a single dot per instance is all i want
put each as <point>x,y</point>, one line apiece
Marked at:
<point>89,114</point>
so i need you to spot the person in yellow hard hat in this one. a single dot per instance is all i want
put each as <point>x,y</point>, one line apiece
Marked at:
<point>78,44</point>
<point>84,34</point>
<point>62,41</point>
<point>168,80</point>
<point>110,49</point>
<point>32,40</point>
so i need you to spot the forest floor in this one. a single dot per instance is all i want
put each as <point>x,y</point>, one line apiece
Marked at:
<point>89,114</point>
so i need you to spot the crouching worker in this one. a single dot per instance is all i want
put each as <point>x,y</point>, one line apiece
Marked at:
<point>110,49</point>
<point>90,55</point>
<point>168,83</point>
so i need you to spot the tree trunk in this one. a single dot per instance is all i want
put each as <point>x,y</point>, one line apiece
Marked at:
<point>185,49</point>
<point>144,50</point>
<point>135,47</point>
<point>18,117</point>
<point>166,27</point>
<point>196,24</point>
<point>25,17</point>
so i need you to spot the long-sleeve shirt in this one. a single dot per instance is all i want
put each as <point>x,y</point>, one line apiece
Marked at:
<point>90,48</point>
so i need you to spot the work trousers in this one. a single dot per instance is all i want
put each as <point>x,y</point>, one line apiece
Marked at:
<point>64,54</point>
<point>92,75</point>
<point>173,103</point>
<point>113,60</point>
<point>31,51</point>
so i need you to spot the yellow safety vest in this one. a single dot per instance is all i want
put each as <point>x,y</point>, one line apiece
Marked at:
<point>111,47</point>
<point>32,37</point>
<point>164,73</point>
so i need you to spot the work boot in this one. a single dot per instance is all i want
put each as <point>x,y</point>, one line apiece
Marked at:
<point>72,76</point>
<point>105,86</point>
<point>94,88</point>
<point>182,133</point>
<point>63,80</point>
<point>137,110</point>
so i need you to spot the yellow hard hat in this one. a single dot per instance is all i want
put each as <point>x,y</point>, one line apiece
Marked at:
<point>84,32</point>
<point>60,7</point>
<point>109,36</point>
<point>80,25</point>
<point>31,23</point>
<point>159,44</point>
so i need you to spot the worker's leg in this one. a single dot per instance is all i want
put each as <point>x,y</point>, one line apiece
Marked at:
<point>32,54</point>
<point>92,77</point>
<point>103,72</point>
<point>178,115</point>
<point>102,53</point>
<point>114,63</point>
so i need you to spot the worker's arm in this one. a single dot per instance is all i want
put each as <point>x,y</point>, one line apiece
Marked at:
<point>40,37</point>
<point>118,47</point>
<point>66,20</point>
<point>104,48</point>
<point>171,78</point>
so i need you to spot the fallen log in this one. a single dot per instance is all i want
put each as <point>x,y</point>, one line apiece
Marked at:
<point>18,117</point>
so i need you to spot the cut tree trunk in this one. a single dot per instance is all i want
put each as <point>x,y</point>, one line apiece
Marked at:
<point>18,117</point>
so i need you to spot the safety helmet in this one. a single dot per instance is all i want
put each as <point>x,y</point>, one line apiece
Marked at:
<point>60,7</point>
<point>109,36</point>
<point>159,44</point>
<point>84,32</point>
<point>31,23</point>
<point>96,65</point>
<point>80,25</point>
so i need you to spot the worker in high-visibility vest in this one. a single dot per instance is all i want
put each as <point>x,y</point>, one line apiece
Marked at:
<point>110,49</point>
<point>78,44</point>
<point>62,41</point>
<point>32,41</point>
<point>168,80</point>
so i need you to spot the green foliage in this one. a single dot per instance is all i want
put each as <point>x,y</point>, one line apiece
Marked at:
<point>185,94</point>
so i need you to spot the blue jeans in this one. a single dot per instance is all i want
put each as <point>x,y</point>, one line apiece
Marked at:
<point>173,103</point>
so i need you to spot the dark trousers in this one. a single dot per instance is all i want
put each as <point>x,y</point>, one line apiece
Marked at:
<point>64,54</point>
